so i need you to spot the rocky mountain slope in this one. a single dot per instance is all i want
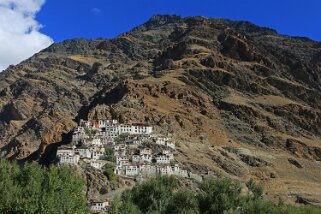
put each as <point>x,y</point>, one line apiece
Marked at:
<point>242,100</point>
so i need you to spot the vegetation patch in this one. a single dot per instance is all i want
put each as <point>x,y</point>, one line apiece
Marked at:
<point>214,195</point>
<point>34,189</point>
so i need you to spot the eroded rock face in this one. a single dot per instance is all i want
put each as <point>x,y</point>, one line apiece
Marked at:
<point>252,160</point>
<point>98,187</point>
<point>208,82</point>
<point>295,163</point>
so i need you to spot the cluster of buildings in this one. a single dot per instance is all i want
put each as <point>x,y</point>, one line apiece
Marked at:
<point>147,162</point>
<point>91,138</point>
<point>129,143</point>
<point>92,155</point>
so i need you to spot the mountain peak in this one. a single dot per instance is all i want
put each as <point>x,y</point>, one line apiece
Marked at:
<point>158,20</point>
<point>164,18</point>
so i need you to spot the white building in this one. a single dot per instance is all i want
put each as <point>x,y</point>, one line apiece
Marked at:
<point>142,158</point>
<point>165,141</point>
<point>147,169</point>
<point>141,129</point>
<point>119,170</point>
<point>162,159</point>
<point>84,153</point>
<point>164,170</point>
<point>169,154</point>
<point>120,149</point>
<point>111,128</point>
<point>98,164</point>
<point>67,159</point>
<point>131,170</point>
<point>65,151</point>
<point>97,148</point>
<point>135,158</point>
<point>162,140</point>
<point>107,123</point>
<point>114,129</point>
<point>145,151</point>
<point>110,134</point>
<point>99,206</point>
<point>146,158</point>
<point>97,153</point>
<point>172,170</point>
<point>122,161</point>
<point>95,141</point>
<point>133,140</point>
<point>79,134</point>
<point>170,144</point>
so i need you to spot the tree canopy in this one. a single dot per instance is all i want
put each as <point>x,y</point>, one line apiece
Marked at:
<point>165,195</point>
<point>35,189</point>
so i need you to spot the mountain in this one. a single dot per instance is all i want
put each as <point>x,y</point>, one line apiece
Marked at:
<point>240,99</point>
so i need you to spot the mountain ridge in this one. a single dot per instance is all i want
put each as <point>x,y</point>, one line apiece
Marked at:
<point>243,100</point>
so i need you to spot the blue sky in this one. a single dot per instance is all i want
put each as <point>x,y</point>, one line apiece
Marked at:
<point>64,19</point>
<point>28,26</point>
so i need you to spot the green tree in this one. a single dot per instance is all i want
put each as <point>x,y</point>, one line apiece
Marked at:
<point>124,206</point>
<point>109,172</point>
<point>33,189</point>
<point>63,189</point>
<point>164,195</point>
<point>9,189</point>
<point>110,155</point>
<point>154,194</point>
<point>121,138</point>
<point>219,195</point>
<point>183,202</point>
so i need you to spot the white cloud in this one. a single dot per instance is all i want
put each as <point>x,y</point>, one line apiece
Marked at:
<point>19,31</point>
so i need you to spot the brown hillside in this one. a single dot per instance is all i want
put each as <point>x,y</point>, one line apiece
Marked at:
<point>242,100</point>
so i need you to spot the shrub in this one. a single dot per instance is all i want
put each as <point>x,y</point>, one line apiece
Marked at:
<point>183,201</point>
<point>121,138</point>
<point>109,172</point>
<point>110,155</point>
<point>256,189</point>
<point>177,144</point>
<point>154,194</point>
<point>218,195</point>
<point>124,207</point>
